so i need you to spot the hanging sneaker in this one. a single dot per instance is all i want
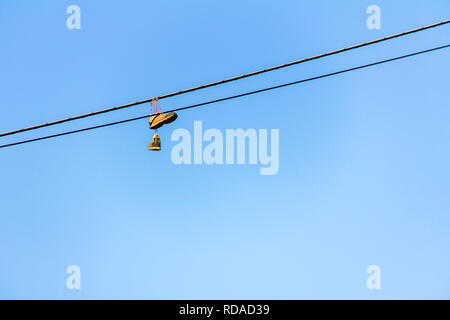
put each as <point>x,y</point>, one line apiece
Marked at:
<point>155,145</point>
<point>157,121</point>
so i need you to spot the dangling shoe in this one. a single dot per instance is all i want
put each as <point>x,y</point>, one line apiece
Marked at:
<point>157,121</point>
<point>155,145</point>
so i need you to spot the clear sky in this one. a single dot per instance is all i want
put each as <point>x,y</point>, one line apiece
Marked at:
<point>364,174</point>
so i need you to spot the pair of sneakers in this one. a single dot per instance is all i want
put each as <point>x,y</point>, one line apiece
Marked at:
<point>157,121</point>
<point>160,119</point>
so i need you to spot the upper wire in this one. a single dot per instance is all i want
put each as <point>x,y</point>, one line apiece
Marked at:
<point>226,80</point>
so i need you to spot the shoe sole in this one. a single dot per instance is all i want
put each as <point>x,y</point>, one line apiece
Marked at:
<point>171,119</point>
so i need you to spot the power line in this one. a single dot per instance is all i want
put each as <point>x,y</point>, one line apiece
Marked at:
<point>230,97</point>
<point>226,80</point>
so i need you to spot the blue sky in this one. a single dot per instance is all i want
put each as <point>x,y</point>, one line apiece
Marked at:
<point>364,176</point>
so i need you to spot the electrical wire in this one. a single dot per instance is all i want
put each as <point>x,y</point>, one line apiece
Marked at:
<point>226,80</point>
<point>230,97</point>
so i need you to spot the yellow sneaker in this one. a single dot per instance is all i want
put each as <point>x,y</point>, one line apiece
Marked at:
<point>157,121</point>
<point>155,145</point>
